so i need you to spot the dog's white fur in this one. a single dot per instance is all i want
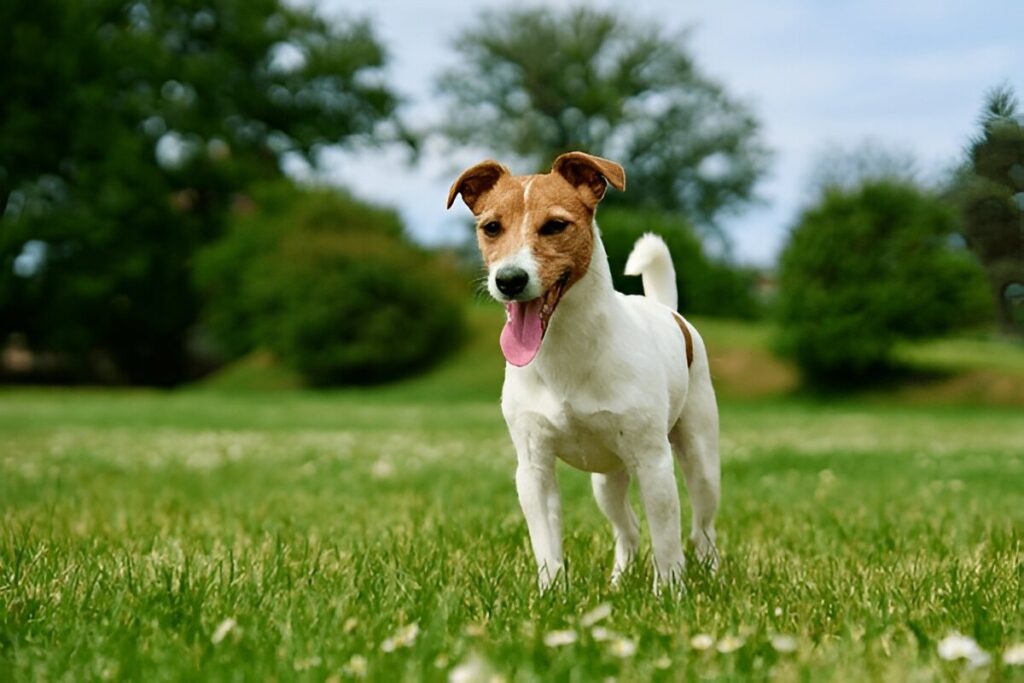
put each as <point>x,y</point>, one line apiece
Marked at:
<point>610,393</point>
<point>616,386</point>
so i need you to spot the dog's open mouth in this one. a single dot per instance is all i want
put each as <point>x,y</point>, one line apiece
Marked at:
<point>527,323</point>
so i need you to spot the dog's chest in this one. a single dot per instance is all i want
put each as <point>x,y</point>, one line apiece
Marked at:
<point>589,440</point>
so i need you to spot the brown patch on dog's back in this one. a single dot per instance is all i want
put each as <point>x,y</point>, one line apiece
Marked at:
<point>687,336</point>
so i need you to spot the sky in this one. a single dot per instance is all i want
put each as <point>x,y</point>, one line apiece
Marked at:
<point>907,75</point>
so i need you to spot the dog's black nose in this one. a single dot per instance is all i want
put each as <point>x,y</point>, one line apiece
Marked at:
<point>511,281</point>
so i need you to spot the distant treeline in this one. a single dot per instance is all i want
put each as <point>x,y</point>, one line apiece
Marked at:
<point>148,232</point>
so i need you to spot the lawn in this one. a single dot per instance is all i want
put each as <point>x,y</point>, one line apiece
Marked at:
<point>294,535</point>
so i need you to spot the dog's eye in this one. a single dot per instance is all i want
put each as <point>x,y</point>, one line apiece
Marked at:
<point>491,229</point>
<point>553,227</point>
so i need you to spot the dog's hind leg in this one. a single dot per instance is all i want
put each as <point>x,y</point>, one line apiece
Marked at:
<point>612,494</point>
<point>655,473</point>
<point>695,441</point>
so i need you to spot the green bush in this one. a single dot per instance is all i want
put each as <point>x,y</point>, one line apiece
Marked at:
<point>331,287</point>
<point>867,267</point>
<point>706,286</point>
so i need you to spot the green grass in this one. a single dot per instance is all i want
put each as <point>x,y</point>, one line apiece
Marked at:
<point>967,353</point>
<point>135,523</point>
<point>214,534</point>
<point>952,371</point>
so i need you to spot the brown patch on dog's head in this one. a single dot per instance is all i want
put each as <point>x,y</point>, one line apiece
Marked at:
<point>552,214</point>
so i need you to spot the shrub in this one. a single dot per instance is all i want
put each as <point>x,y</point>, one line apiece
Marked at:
<point>867,267</point>
<point>331,286</point>
<point>706,286</point>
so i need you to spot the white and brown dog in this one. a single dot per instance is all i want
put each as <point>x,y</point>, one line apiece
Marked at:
<point>611,384</point>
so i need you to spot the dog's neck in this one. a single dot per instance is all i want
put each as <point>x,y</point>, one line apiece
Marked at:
<point>582,321</point>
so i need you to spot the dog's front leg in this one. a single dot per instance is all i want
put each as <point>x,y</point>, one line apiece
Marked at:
<point>541,503</point>
<point>656,476</point>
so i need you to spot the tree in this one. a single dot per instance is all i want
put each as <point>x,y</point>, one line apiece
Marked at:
<point>990,193</point>
<point>331,286</point>
<point>867,267</point>
<point>847,168</point>
<point>536,83</point>
<point>127,130</point>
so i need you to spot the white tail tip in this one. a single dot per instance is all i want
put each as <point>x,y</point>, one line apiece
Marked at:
<point>651,260</point>
<point>647,250</point>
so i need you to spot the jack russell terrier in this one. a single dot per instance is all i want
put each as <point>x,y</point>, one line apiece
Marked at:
<point>611,384</point>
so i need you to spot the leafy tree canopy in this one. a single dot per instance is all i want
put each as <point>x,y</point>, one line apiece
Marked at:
<point>538,82</point>
<point>867,267</point>
<point>127,129</point>
<point>331,286</point>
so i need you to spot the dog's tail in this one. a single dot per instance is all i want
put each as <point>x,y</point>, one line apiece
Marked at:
<point>651,260</point>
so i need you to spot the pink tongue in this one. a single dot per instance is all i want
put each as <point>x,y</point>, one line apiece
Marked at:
<point>520,340</point>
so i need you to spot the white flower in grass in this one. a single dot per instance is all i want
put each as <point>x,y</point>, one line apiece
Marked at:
<point>662,663</point>
<point>958,646</point>
<point>729,644</point>
<point>783,643</point>
<point>307,663</point>
<point>382,469</point>
<point>601,634</point>
<point>623,647</point>
<point>223,629</point>
<point>1014,655</point>
<point>702,641</point>
<point>474,630</point>
<point>475,669</point>
<point>355,667</point>
<point>560,638</point>
<point>599,613</point>
<point>404,637</point>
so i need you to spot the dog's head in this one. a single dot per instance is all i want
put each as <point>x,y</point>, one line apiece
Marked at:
<point>536,236</point>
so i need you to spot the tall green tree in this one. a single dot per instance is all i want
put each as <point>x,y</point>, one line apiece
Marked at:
<point>990,192</point>
<point>538,82</point>
<point>128,129</point>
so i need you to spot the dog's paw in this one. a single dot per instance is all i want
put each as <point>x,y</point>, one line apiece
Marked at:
<point>706,553</point>
<point>548,578</point>
<point>670,583</point>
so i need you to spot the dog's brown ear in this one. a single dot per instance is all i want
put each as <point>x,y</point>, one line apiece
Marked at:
<point>589,174</point>
<point>475,181</point>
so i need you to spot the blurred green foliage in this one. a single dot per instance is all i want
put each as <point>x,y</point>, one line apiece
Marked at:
<point>128,128</point>
<point>867,267</point>
<point>538,82</point>
<point>990,193</point>
<point>331,286</point>
<point>706,285</point>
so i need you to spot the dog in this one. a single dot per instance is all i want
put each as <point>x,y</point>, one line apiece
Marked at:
<point>612,384</point>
